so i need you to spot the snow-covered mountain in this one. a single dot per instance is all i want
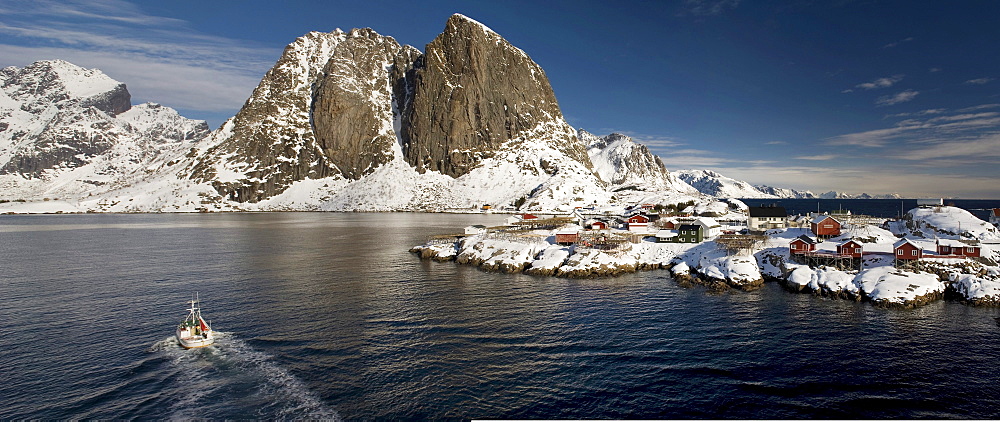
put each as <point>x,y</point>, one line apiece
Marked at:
<point>625,164</point>
<point>715,184</point>
<point>70,131</point>
<point>842,195</point>
<point>343,121</point>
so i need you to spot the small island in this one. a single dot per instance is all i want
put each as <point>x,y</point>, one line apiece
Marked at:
<point>933,252</point>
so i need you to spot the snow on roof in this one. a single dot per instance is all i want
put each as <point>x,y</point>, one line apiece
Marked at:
<point>821,217</point>
<point>956,243</point>
<point>902,242</point>
<point>806,239</point>
<point>666,233</point>
<point>707,222</point>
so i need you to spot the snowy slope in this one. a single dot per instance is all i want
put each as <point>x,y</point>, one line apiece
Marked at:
<point>70,133</point>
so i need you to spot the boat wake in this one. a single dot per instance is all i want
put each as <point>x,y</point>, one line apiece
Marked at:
<point>232,380</point>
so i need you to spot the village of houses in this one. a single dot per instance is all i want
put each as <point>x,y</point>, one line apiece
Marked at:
<point>932,252</point>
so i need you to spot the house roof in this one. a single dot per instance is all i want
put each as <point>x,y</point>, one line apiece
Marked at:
<point>689,227</point>
<point>707,222</point>
<point>805,239</point>
<point>821,217</point>
<point>956,243</point>
<point>850,242</point>
<point>902,242</point>
<point>768,212</point>
<point>666,233</point>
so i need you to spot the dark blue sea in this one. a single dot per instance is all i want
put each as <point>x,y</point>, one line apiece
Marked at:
<point>888,208</point>
<point>327,316</point>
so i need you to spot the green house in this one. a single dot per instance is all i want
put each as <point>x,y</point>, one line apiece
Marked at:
<point>690,233</point>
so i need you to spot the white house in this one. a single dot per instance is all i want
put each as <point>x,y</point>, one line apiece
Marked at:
<point>771,217</point>
<point>709,227</point>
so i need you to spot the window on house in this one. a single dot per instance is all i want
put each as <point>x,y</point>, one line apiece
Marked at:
<point>913,252</point>
<point>968,250</point>
<point>899,252</point>
<point>857,250</point>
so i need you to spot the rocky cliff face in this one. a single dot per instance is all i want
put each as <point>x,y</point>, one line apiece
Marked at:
<point>270,142</point>
<point>473,92</point>
<point>355,102</point>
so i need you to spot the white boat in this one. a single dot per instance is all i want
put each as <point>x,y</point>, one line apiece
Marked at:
<point>194,331</point>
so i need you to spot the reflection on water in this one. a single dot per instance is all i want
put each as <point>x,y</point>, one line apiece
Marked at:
<point>329,316</point>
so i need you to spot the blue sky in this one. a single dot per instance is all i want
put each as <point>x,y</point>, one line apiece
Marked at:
<point>853,96</point>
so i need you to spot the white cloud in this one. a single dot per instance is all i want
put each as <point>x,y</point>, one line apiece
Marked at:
<point>901,97</point>
<point>880,83</point>
<point>980,81</point>
<point>821,157</point>
<point>978,107</point>
<point>896,43</point>
<point>708,7</point>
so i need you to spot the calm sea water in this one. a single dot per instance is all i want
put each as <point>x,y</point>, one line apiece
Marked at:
<point>328,316</point>
<point>889,208</point>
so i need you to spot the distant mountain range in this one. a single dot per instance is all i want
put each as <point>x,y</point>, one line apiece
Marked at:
<point>343,121</point>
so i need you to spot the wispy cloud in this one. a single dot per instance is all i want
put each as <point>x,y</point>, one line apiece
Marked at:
<point>878,83</point>
<point>159,58</point>
<point>980,81</point>
<point>920,113</point>
<point>978,107</point>
<point>707,7</point>
<point>776,143</point>
<point>901,97</point>
<point>896,43</point>
<point>821,157</point>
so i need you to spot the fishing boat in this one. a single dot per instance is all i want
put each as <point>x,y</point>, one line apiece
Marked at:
<point>194,331</point>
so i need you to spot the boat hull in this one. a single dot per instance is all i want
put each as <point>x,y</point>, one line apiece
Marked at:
<point>194,342</point>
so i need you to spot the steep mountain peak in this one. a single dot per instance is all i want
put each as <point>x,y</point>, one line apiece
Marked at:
<point>473,92</point>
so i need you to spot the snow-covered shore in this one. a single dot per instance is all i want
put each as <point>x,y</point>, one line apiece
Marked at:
<point>971,281</point>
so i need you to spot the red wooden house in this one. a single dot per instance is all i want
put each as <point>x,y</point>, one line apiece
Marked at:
<point>850,248</point>
<point>638,223</point>
<point>598,225</point>
<point>955,247</point>
<point>825,226</point>
<point>567,236</point>
<point>802,244</point>
<point>906,250</point>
